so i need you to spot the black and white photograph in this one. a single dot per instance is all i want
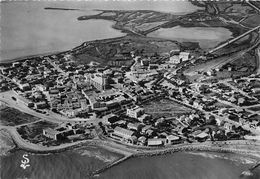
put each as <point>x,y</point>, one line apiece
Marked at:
<point>129,89</point>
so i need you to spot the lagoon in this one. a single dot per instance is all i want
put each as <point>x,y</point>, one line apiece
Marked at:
<point>208,37</point>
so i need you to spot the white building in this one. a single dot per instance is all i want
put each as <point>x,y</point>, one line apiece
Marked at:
<point>24,86</point>
<point>155,142</point>
<point>171,139</point>
<point>184,56</point>
<point>135,112</point>
<point>123,134</point>
<point>50,133</point>
<point>175,59</point>
<point>98,80</point>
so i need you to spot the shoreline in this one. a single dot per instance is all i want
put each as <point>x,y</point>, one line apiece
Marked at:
<point>185,148</point>
<point>25,57</point>
<point>225,146</point>
<point>191,148</point>
<point>113,26</point>
<point>126,32</point>
<point>127,153</point>
<point>6,61</point>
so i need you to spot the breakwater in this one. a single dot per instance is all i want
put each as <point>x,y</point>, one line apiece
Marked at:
<point>255,166</point>
<point>203,148</point>
<point>97,172</point>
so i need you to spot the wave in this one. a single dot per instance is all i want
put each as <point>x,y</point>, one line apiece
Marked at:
<point>234,158</point>
<point>107,158</point>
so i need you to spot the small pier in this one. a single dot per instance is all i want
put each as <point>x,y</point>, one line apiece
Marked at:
<point>97,172</point>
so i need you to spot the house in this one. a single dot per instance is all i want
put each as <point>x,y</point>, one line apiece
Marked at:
<point>134,126</point>
<point>120,122</point>
<point>149,132</point>
<point>98,80</point>
<point>40,105</point>
<point>94,103</point>
<point>110,118</point>
<point>184,56</point>
<point>241,101</point>
<point>141,140</point>
<point>122,134</point>
<point>57,133</point>
<point>175,59</point>
<point>201,136</point>
<point>175,52</point>
<point>172,139</point>
<point>144,117</point>
<point>51,133</point>
<point>228,126</point>
<point>135,112</point>
<point>70,113</point>
<point>24,86</point>
<point>155,142</point>
<point>159,121</point>
<point>145,128</point>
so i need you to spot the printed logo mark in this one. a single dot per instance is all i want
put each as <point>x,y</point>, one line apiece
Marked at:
<point>25,163</point>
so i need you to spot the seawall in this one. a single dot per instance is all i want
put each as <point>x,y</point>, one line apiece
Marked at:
<point>184,148</point>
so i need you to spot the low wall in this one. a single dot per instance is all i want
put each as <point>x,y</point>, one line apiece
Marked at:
<point>147,153</point>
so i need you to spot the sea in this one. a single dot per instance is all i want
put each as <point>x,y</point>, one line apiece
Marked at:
<point>80,163</point>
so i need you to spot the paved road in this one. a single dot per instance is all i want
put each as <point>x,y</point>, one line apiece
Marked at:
<point>252,5</point>
<point>23,144</point>
<point>258,60</point>
<point>6,97</point>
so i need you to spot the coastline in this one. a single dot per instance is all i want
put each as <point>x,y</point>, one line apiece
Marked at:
<point>237,147</point>
<point>127,32</point>
<point>6,61</point>
<point>21,58</point>
<point>187,148</point>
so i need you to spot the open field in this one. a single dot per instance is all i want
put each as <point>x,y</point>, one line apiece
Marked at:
<point>165,108</point>
<point>252,21</point>
<point>118,52</point>
<point>255,108</point>
<point>6,142</point>
<point>33,132</point>
<point>256,118</point>
<point>11,117</point>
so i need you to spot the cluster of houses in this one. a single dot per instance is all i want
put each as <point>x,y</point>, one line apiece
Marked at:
<point>69,131</point>
<point>129,136</point>
<point>157,132</point>
<point>56,83</point>
<point>219,98</point>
